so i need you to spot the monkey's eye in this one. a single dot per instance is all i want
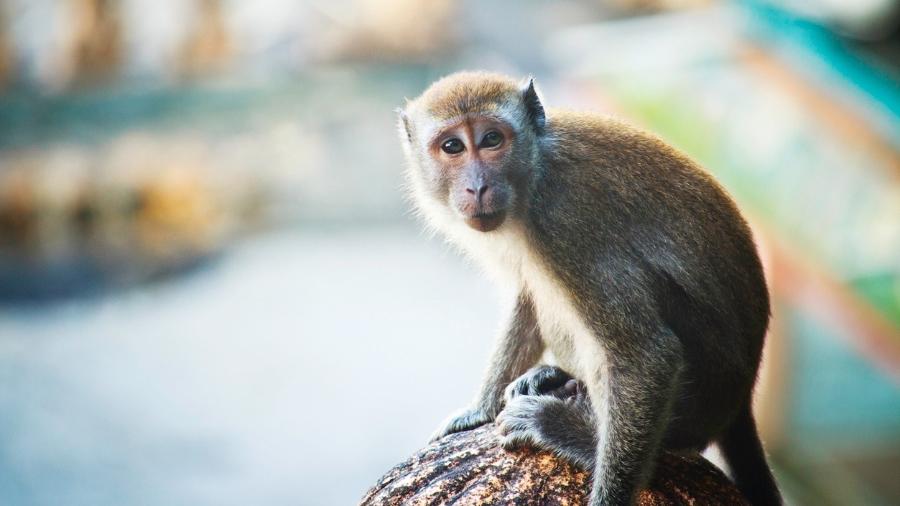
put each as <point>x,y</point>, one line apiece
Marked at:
<point>452,146</point>
<point>491,139</point>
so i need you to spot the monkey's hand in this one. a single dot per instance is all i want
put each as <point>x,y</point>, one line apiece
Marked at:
<point>467,419</point>
<point>561,421</point>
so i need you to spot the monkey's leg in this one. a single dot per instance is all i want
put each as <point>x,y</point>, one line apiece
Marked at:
<point>638,391</point>
<point>519,348</point>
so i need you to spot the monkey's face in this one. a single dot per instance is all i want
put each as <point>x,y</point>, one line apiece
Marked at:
<point>470,143</point>
<point>471,159</point>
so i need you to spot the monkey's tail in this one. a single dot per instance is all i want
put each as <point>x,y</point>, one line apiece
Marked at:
<point>743,451</point>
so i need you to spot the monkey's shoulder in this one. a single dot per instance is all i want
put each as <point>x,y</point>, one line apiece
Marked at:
<point>600,157</point>
<point>600,140</point>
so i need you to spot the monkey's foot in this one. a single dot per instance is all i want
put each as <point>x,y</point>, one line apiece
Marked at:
<point>558,421</point>
<point>543,380</point>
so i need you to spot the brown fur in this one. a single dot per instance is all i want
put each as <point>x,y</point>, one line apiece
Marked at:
<point>449,98</point>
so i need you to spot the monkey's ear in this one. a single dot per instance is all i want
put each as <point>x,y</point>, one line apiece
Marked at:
<point>404,123</point>
<point>533,107</point>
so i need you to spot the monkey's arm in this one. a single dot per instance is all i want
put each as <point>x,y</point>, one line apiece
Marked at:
<point>519,348</point>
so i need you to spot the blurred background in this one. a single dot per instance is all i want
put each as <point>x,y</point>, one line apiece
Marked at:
<point>212,292</point>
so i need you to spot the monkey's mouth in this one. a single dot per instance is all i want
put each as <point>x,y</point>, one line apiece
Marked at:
<point>485,222</point>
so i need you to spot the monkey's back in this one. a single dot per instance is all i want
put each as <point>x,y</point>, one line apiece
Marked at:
<point>663,226</point>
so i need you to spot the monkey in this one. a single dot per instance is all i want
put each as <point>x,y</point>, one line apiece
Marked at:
<point>631,265</point>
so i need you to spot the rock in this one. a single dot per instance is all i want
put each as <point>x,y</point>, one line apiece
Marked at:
<point>470,468</point>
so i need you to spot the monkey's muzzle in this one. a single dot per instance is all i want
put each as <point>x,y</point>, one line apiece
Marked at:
<point>486,222</point>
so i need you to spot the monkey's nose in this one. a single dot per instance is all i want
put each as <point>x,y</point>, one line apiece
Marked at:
<point>479,191</point>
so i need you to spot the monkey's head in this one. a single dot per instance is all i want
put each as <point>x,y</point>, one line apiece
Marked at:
<point>471,144</point>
